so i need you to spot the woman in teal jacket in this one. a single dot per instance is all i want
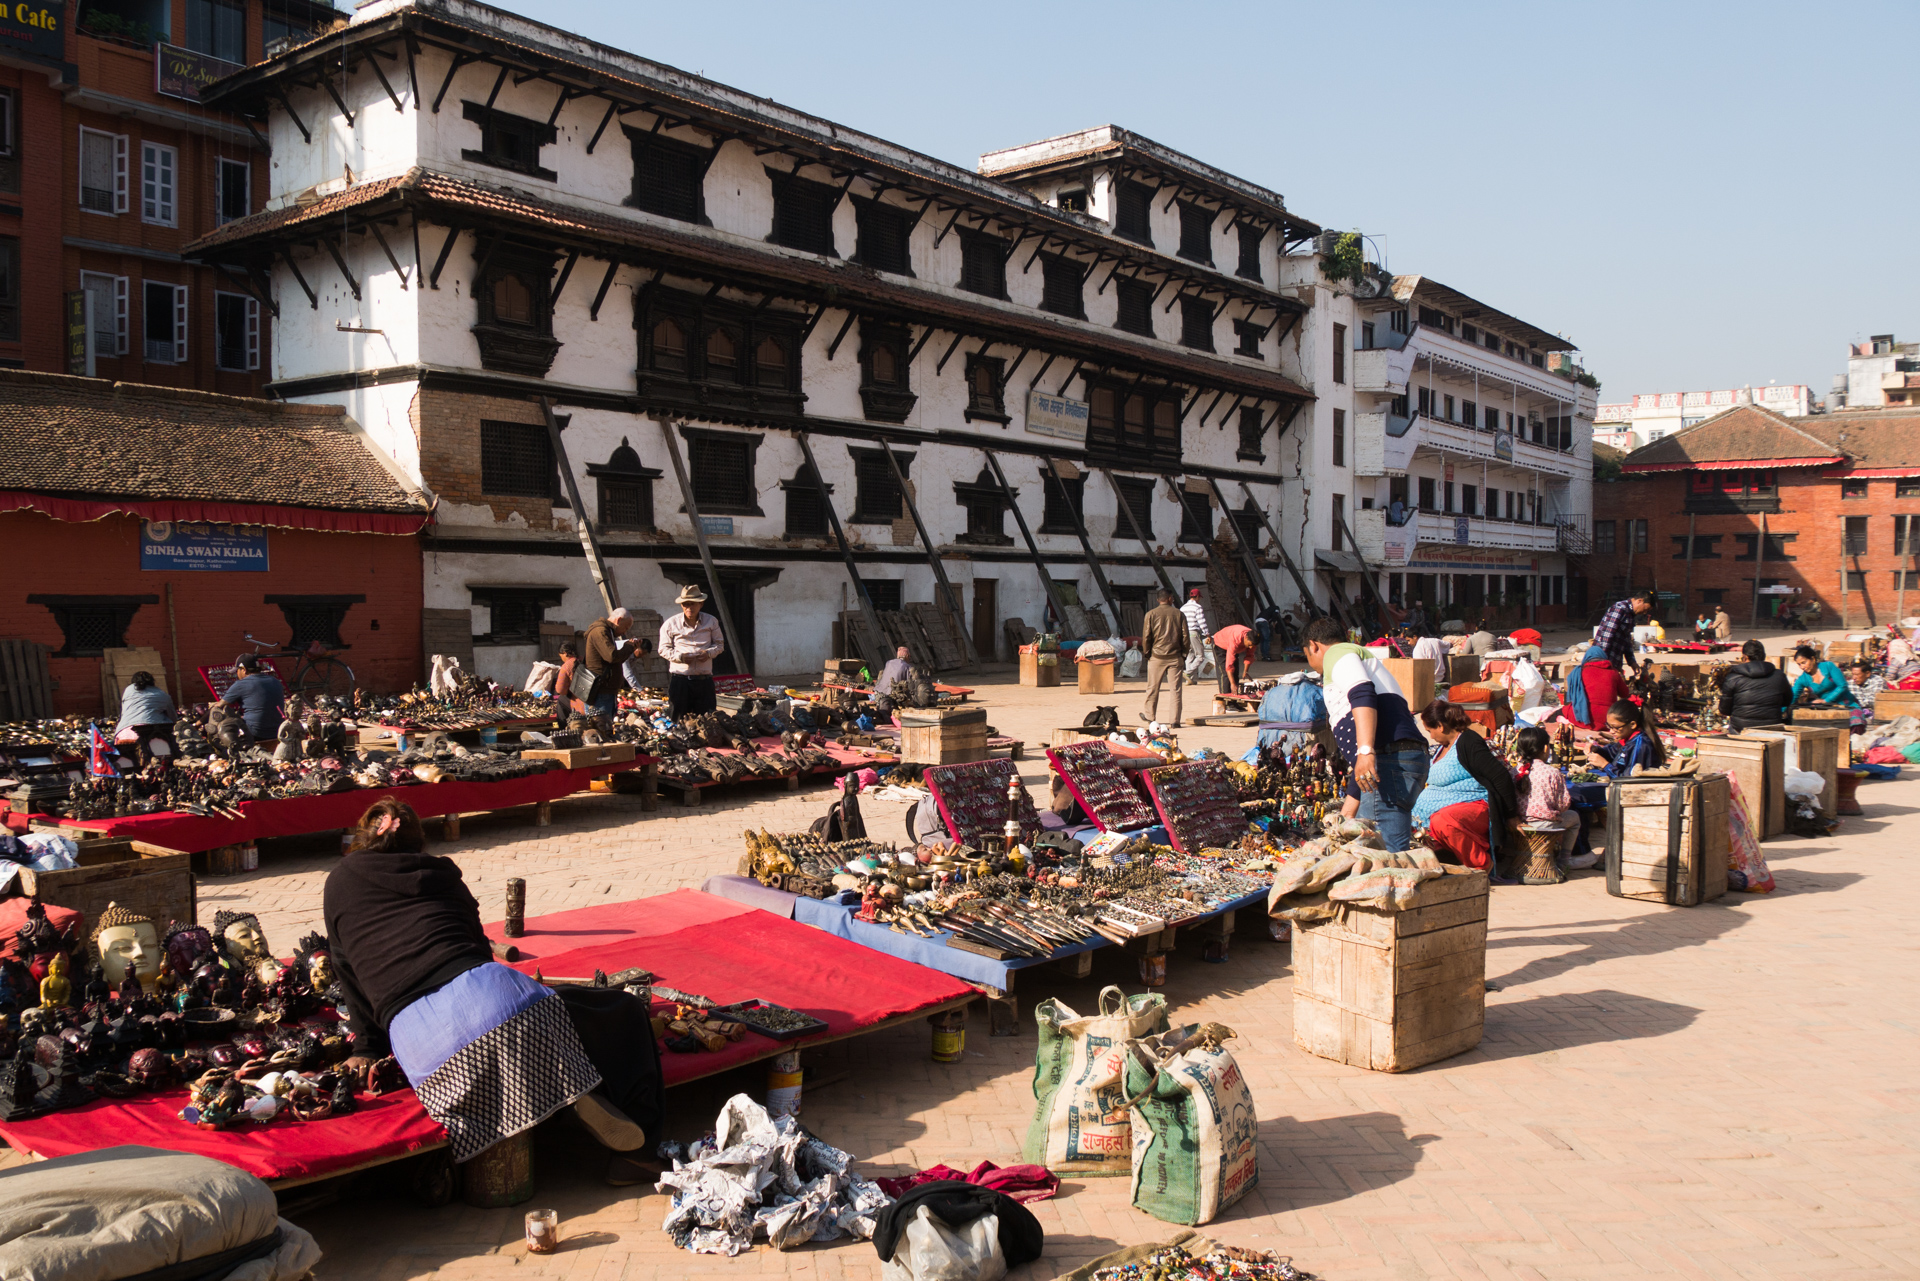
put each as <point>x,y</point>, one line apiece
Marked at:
<point>1824,680</point>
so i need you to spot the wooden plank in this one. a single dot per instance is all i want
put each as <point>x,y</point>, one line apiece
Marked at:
<point>937,625</point>
<point>1440,916</point>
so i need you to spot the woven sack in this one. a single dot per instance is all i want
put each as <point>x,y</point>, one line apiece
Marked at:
<point>1080,1123</point>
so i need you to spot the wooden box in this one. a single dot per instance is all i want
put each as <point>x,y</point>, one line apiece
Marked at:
<point>1816,749</point>
<point>1892,704</point>
<point>1759,764</point>
<point>1415,678</point>
<point>1667,839</point>
<point>580,757</point>
<point>1835,718</point>
<point>1842,652</point>
<point>943,735</point>
<point>1463,669</point>
<point>1040,675</point>
<point>149,879</point>
<point>1096,677</point>
<point>1392,991</point>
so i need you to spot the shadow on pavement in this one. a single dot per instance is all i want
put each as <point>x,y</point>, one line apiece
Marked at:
<point>1795,880</point>
<point>1662,929</point>
<point>1309,1163</point>
<point>1567,1019</point>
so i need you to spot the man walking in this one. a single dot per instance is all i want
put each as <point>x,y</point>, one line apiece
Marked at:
<point>606,656</point>
<point>1198,647</point>
<point>1373,728</point>
<point>690,641</point>
<point>1163,635</point>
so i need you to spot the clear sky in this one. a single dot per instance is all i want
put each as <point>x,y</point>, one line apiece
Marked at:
<point>1699,195</point>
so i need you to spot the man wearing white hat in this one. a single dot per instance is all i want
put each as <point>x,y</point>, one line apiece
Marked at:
<point>690,641</point>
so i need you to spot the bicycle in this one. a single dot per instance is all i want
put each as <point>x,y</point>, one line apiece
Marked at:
<point>315,670</point>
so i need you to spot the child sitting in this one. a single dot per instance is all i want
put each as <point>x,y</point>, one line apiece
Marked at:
<point>1630,742</point>
<point>1544,800</point>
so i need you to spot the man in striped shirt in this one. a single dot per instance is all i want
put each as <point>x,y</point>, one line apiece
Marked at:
<point>1615,635</point>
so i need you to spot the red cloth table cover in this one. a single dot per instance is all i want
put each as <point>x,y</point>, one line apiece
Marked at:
<point>300,815</point>
<point>693,941</point>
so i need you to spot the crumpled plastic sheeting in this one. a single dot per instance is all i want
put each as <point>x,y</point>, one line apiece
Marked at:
<point>1348,865</point>
<point>761,1174</point>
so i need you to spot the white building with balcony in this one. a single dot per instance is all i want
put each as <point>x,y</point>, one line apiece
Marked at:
<point>1468,455</point>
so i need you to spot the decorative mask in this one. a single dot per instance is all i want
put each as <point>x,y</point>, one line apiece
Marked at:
<point>127,943</point>
<point>187,946</point>
<point>240,936</point>
<point>315,956</point>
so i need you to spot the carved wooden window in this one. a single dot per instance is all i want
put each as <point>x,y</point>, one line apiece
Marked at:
<point>876,495</point>
<point>885,386</point>
<point>1133,211</point>
<point>516,460</point>
<point>514,302</point>
<point>723,355</point>
<point>1196,517</point>
<point>1063,504</point>
<point>884,236</point>
<point>1134,300</point>
<point>806,509</point>
<point>803,213</point>
<point>772,366</point>
<point>986,390</point>
<point>508,141</point>
<point>669,176</point>
<point>1061,291</point>
<point>1138,496</point>
<point>1196,323</point>
<point>669,345</point>
<point>1134,426</point>
<point>720,468</point>
<point>1196,233</point>
<point>983,264</point>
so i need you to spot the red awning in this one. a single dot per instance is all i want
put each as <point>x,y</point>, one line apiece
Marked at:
<point>1736,464</point>
<point>80,510</point>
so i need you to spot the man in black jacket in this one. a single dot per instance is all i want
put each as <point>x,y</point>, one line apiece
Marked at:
<point>1754,692</point>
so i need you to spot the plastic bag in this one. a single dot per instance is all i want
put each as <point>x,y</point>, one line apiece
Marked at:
<point>1801,782</point>
<point>930,1250</point>
<point>1746,867</point>
<point>1130,662</point>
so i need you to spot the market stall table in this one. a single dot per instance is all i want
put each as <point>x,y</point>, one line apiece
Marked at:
<point>302,815</point>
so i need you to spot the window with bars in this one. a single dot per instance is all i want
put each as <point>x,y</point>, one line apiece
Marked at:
<point>508,141</point>
<point>885,593</point>
<point>806,509</point>
<point>1856,580</point>
<point>1062,504</point>
<point>514,613</point>
<point>1196,233</point>
<point>1137,494</point>
<point>983,264</point>
<point>1856,538</point>
<point>1252,433</point>
<point>9,289</point>
<point>1061,286</point>
<point>1603,531</point>
<point>883,236</point>
<point>876,493</point>
<point>1339,438</point>
<point>1250,238</point>
<point>1196,517</point>
<point>91,625</point>
<point>626,504</point>
<point>1133,307</point>
<point>233,191</point>
<point>803,213</point>
<point>1196,323</point>
<point>317,619</point>
<point>986,389</point>
<point>516,460</point>
<point>720,467</point>
<point>1851,487</point>
<point>236,331</point>
<point>1133,211</point>
<point>669,176</point>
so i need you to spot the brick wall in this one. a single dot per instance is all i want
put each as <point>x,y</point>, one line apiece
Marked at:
<point>447,425</point>
<point>212,610</point>
<point>1812,510</point>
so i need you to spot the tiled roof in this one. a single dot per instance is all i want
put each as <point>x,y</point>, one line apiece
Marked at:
<point>1745,434</point>
<point>1871,438</point>
<point>87,436</point>
<point>833,278</point>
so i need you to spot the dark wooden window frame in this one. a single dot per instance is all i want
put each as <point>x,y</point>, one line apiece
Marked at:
<point>506,345</point>
<point>1253,423</point>
<point>1133,306</point>
<point>114,614</point>
<point>983,263</point>
<point>1054,269</point>
<point>993,407</point>
<point>1249,335</point>
<point>1251,238</point>
<point>808,517</point>
<point>785,231</point>
<point>515,472</point>
<point>696,436</point>
<point>1705,546</point>
<point>1133,210</point>
<point>1776,548</point>
<point>1137,493</point>
<point>492,122</point>
<point>514,599</point>
<point>1194,508</point>
<point>983,495</point>
<point>623,469</point>
<point>1192,216</point>
<point>873,482</point>
<point>651,148</point>
<point>315,618</point>
<point>867,215</point>
<point>694,387</point>
<point>1193,332</point>
<point>1058,496</point>
<point>883,400</point>
<point>1115,443</point>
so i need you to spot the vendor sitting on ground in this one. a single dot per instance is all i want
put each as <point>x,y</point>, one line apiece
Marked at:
<point>146,718</point>
<point>1820,681</point>
<point>1754,692</point>
<point>897,669</point>
<point>1593,687</point>
<point>1722,623</point>
<point>489,1051</point>
<point>1630,743</point>
<point>1863,682</point>
<point>258,694</point>
<point>1469,794</point>
<point>1703,627</point>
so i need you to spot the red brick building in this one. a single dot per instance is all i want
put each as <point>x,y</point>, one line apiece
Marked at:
<point>109,166</point>
<point>1820,504</point>
<point>180,520</point>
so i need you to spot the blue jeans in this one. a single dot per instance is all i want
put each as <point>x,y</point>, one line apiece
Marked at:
<point>1264,630</point>
<point>606,704</point>
<point>1389,807</point>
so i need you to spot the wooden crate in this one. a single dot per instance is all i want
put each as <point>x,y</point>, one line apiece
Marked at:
<point>1834,718</point>
<point>1392,991</point>
<point>149,879</point>
<point>1463,669</point>
<point>26,685</point>
<point>1892,704</point>
<point>1667,839</point>
<point>1415,678</point>
<point>1096,676</point>
<point>1842,652</point>
<point>581,757</point>
<point>943,735</point>
<point>1760,766</point>
<point>1036,673</point>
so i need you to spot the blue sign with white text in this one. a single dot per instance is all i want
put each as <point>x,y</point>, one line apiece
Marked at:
<point>203,548</point>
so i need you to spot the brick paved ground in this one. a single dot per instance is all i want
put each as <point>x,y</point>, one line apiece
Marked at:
<point>1726,1091</point>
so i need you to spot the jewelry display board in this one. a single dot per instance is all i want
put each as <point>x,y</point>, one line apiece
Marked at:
<point>1110,800</point>
<point>1196,802</point>
<point>973,799</point>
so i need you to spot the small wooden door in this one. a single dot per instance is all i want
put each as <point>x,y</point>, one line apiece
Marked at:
<point>986,618</point>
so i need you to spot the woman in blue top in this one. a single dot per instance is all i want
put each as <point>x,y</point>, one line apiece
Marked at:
<point>1821,681</point>
<point>1469,794</point>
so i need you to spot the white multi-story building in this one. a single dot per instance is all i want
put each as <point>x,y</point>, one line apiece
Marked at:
<point>547,276</point>
<point>1880,372</point>
<point>1629,424</point>
<point>1464,463</point>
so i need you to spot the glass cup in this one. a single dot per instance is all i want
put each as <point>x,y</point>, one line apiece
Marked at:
<point>543,1231</point>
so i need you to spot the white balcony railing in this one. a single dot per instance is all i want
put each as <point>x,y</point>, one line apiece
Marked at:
<point>1477,531</point>
<point>1460,440</point>
<point>1383,370</point>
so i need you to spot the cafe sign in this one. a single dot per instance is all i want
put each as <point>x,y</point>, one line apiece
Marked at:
<point>36,30</point>
<point>182,73</point>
